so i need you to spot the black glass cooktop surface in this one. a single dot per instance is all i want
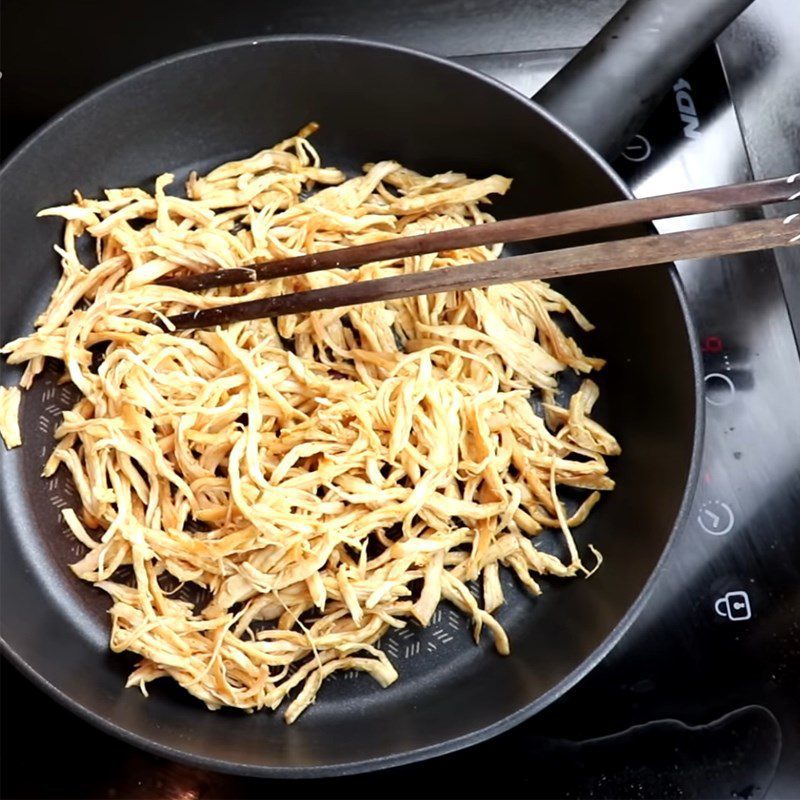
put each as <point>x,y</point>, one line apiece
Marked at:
<point>700,698</point>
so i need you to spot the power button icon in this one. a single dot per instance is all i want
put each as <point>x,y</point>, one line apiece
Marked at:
<point>638,149</point>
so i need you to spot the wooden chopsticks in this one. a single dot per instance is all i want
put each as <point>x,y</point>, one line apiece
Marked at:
<point>742,237</point>
<point>622,254</point>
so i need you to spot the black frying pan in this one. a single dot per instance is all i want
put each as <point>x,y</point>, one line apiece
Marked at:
<point>373,101</point>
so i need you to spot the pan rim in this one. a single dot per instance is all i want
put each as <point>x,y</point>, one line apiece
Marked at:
<point>356,765</point>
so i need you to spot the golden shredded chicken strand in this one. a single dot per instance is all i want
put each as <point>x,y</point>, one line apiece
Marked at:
<point>324,477</point>
<point>9,416</point>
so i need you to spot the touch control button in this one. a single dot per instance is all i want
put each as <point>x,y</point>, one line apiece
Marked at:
<point>734,606</point>
<point>637,149</point>
<point>719,389</point>
<point>716,517</point>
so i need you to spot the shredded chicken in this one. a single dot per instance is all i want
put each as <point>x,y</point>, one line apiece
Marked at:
<point>9,416</point>
<point>324,477</point>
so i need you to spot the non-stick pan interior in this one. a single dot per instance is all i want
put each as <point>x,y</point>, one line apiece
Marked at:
<point>372,102</point>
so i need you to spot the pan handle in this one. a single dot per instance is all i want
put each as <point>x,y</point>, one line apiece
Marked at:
<point>607,90</point>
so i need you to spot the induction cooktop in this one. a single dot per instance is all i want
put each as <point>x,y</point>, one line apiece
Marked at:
<point>700,698</point>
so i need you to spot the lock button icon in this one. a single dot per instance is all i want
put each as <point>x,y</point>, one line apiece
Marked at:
<point>734,606</point>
